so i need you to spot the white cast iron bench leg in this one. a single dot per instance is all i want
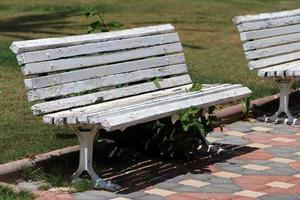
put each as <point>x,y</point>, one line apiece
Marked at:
<point>86,136</point>
<point>284,86</point>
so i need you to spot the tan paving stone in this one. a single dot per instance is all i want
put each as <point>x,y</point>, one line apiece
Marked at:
<point>235,133</point>
<point>249,193</point>
<point>226,174</point>
<point>297,175</point>
<point>160,192</point>
<point>262,129</point>
<point>297,153</point>
<point>194,183</point>
<point>120,198</point>
<point>258,145</point>
<point>255,167</point>
<point>282,160</point>
<point>212,139</point>
<point>297,134</point>
<point>279,184</point>
<point>283,139</point>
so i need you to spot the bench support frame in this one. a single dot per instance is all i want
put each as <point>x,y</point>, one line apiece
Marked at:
<point>284,86</point>
<point>86,136</point>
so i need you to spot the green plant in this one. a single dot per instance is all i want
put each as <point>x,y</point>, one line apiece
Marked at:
<point>81,185</point>
<point>7,193</point>
<point>195,87</point>
<point>99,22</point>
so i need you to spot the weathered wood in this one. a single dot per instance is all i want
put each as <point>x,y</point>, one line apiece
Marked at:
<point>120,122</point>
<point>101,71</point>
<point>271,23</point>
<point>112,80</point>
<point>278,70</point>
<point>148,103</point>
<point>50,43</point>
<point>99,47</point>
<point>87,99</point>
<point>257,64</point>
<point>272,51</point>
<point>130,103</point>
<point>88,61</point>
<point>267,42</point>
<point>265,16</point>
<point>257,34</point>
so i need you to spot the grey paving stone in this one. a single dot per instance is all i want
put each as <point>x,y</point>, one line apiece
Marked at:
<point>234,140</point>
<point>220,188</point>
<point>220,180</point>
<point>167,185</point>
<point>288,171</point>
<point>137,194</point>
<point>279,197</point>
<point>86,196</point>
<point>201,177</point>
<point>184,188</point>
<point>101,193</point>
<point>239,128</point>
<point>151,197</point>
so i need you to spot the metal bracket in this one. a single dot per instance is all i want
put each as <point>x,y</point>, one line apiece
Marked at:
<point>284,86</point>
<point>86,136</point>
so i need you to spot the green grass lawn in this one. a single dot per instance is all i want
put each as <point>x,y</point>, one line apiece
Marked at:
<point>211,44</point>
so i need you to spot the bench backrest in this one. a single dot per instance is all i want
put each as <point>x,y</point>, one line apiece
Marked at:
<point>270,38</point>
<point>74,71</point>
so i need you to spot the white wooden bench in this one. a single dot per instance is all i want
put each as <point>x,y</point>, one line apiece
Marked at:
<point>271,42</point>
<point>105,81</point>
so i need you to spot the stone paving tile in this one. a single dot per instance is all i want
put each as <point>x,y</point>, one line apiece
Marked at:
<point>282,160</point>
<point>120,198</point>
<point>279,197</point>
<point>262,129</point>
<point>279,184</point>
<point>160,192</point>
<point>266,166</point>
<point>194,183</point>
<point>258,145</point>
<point>226,174</point>
<point>249,193</point>
<point>235,133</point>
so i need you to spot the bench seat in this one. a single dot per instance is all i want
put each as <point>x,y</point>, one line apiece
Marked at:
<point>122,113</point>
<point>111,81</point>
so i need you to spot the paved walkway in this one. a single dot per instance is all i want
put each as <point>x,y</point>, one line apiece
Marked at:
<point>263,162</point>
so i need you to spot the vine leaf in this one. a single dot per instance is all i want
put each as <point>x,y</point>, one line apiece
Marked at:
<point>195,87</point>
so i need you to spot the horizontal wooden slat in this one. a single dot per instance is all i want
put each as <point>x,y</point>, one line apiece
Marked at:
<point>111,106</point>
<point>271,23</point>
<point>92,48</point>
<point>174,97</point>
<point>87,61</point>
<point>111,80</point>
<point>274,60</point>
<point>50,43</point>
<point>87,99</point>
<point>278,70</point>
<point>267,42</point>
<point>265,16</point>
<point>252,35</point>
<point>272,51</point>
<point>120,122</point>
<point>96,72</point>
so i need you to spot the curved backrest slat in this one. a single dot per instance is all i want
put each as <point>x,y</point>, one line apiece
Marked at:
<point>81,70</point>
<point>270,39</point>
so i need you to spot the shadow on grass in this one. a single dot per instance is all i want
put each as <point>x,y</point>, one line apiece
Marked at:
<point>37,24</point>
